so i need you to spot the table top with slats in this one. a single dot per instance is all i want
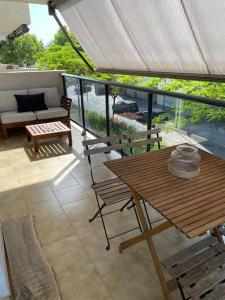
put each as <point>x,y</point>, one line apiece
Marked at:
<point>47,128</point>
<point>192,205</point>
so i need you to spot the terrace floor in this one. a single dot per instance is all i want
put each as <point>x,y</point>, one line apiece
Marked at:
<point>54,186</point>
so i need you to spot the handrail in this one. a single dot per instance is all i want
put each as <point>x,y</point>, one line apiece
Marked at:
<point>199,99</point>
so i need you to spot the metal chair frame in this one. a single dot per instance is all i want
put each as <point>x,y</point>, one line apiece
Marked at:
<point>146,140</point>
<point>106,149</point>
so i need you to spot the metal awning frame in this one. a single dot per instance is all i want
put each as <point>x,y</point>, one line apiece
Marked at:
<point>51,9</point>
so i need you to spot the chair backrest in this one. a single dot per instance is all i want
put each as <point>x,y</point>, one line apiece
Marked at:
<point>103,145</point>
<point>143,138</point>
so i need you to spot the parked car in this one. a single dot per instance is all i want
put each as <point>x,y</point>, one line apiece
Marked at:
<point>125,106</point>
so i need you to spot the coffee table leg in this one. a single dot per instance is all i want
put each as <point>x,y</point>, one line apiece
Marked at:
<point>28,137</point>
<point>151,247</point>
<point>70,139</point>
<point>35,144</point>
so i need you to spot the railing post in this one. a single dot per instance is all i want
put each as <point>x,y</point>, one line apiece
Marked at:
<point>107,110</point>
<point>82,107</point>
<point>149,124</point>
<point>64,85</point>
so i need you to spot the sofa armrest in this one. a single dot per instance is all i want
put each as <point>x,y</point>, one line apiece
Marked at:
<point>66,103</point>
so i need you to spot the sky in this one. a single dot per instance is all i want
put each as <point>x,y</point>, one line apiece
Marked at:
<point>42,25</point>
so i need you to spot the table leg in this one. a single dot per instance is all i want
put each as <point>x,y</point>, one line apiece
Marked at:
<point>218,234</point>
<point>151,247</point>
<point>28,137</point>
<point>70,139</point>
<point>35,144</point>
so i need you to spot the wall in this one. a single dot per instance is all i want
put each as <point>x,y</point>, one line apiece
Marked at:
<point>30,79</point>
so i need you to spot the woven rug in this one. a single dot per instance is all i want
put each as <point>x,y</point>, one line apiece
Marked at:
<point>31,274</point>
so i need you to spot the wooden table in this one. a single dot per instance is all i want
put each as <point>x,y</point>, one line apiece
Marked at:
<point>47,130</point>
<point>193,206</point>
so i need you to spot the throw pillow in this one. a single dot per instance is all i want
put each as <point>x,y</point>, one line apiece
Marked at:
<point>27,103</point>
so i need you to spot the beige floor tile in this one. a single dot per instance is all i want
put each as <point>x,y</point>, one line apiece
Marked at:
<point>80,210</point>
<point>109,261</point>
<point>67,253</point>
<point>10,196</point>
<point>7,171</point>
<point>13,209</point>
<point>62,180</point>
<point>45,210</point>
<point>38,194</point>
<point>21,173</point>
<point>70,194</point>
<point>86,230</point>
<point>80,171</point>
<point>54,229</point>
<point>83,284</point>
<point>85,181</point>
<point>31,181</point>
<point>8,183</point>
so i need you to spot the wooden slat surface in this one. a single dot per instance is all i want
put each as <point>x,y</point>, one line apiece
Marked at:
<point>112,190</point>
<point>193,206</point>
<point>44,128</point>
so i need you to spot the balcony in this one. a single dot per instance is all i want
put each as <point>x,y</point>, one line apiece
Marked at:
<point>54,184</point>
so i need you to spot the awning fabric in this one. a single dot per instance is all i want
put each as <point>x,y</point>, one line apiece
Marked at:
<point>12,15</point>
<point>144,36</point>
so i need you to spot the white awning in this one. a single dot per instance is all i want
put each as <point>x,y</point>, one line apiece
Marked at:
<point>12,15</point>
<point>183,37</point>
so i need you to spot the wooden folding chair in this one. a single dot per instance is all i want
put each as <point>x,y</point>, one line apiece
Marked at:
<point>109,191</point>
<point>199,270</point>
<point>137,140</point>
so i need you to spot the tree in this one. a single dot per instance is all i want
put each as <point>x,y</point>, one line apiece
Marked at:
<point>196,112</point>
<point>61,40</point>
<point>21,51</point>
<point>62,58</point>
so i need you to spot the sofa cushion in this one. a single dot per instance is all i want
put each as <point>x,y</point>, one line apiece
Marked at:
<point>52,98</point>
<point>31,102</point>
<point>15,116</point>
<point>8,100</point>
<point>52,112</point>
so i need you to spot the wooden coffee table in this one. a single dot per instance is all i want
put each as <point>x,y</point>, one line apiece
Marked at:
<point>46,130</point>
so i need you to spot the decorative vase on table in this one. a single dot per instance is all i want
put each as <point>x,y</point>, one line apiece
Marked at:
<point>185,161</point>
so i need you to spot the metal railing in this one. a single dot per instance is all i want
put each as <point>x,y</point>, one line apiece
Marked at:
<point>105,108</point>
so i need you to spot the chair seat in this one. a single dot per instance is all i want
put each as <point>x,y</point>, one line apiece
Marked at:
<point>112,190</point>
<point>200,269</point>
<point>16,117</point>
<point>51,113</point>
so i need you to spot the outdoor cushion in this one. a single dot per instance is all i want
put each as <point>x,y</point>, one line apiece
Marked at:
<point>31,102</point>
<point>8,100</point>
<point>52,98</point>
<point>52,112</point>
<point>15,116</point>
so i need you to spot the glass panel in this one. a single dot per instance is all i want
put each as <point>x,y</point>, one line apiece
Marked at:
<point>94,107</point>
<point>128,110</point>
<point>73,91</point>
<point>188,121</point>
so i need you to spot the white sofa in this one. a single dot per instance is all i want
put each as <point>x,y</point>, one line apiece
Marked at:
<point>58,109</point>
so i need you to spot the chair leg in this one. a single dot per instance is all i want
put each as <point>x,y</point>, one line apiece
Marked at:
<point>146,212</point>
<point>181,291</point>
<point>132,205</point>
<point>68,123</point>
<point>128,202</point>
<point>97,213</point>
<point>103,223</point>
